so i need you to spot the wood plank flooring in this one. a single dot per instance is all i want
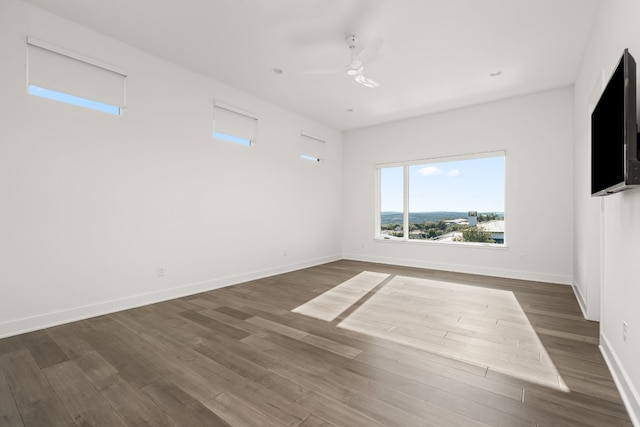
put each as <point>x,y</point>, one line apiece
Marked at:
<point>342,344</point>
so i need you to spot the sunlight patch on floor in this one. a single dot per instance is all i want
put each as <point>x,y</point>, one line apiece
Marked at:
<point>482,326</point>
<point>335,301</point>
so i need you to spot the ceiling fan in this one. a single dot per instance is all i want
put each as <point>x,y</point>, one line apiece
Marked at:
<point>359,57</point>
<point>356,67</point>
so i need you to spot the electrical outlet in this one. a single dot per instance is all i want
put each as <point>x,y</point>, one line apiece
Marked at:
<point>625,329</point>
<point>284,253</point>
<point>160,271</point>
<point>522,256</point>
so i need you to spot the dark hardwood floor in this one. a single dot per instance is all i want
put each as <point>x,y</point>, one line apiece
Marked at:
<point>345,344</point>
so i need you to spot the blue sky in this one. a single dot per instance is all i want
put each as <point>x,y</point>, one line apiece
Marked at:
<point>74,100</point>
<point>465,185</point>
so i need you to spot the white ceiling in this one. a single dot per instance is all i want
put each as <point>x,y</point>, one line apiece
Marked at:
<point>437,54</point>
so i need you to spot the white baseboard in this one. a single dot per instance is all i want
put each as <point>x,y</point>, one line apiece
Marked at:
<point>581,301</point>
<point>628,392</point>
<point>47,320</point>
<point>459,268</point>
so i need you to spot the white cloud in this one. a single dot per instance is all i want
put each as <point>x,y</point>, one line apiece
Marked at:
<point>454,172</point>
<point>430,171</point>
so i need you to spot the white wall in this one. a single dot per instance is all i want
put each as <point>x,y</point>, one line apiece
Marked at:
<point>536,132</point>
<point>608,228</point>
<point>93,204</point>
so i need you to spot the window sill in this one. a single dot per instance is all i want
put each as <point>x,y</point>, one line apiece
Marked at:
<point>495,246</point>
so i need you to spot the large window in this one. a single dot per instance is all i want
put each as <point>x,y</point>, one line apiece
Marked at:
<point>454,200</point>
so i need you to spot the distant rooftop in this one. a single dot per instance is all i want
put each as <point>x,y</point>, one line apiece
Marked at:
<point>496,226</point>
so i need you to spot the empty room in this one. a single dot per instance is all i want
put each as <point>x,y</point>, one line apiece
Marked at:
<point>319,213</point>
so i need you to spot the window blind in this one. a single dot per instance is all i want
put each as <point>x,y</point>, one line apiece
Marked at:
<point>59,69</point>
<point>312,146</point>
<point>236,122</point>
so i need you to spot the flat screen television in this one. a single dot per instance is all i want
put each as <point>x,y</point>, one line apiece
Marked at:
<point>614,135</point>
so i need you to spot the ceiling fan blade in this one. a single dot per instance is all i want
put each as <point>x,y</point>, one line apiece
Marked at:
<point>369,51</point>
<point>367,82</point>
<point>325,71</point>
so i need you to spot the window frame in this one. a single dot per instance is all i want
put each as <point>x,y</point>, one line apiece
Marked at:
<point>45,59</point>
<point>247,136</point>
<point>406,192</point>
<point>312,147</point>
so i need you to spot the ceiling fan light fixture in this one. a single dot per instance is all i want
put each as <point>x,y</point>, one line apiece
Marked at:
<point>352,71</point>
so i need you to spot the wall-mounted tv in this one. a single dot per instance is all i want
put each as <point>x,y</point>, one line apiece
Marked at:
<point>614,135</point>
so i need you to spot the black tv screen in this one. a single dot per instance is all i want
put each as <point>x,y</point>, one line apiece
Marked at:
<point>614,141</point>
